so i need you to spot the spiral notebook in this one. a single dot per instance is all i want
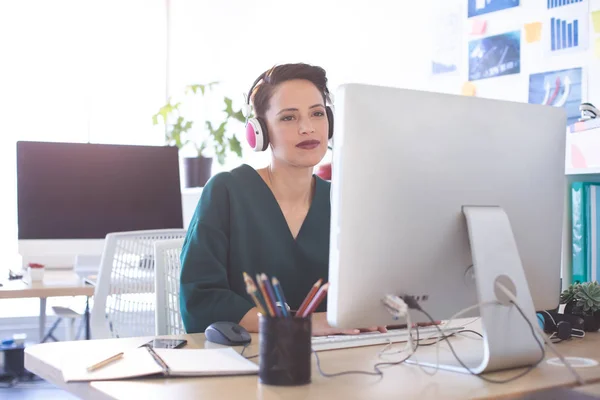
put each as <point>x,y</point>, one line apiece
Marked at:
<point>140,362</point>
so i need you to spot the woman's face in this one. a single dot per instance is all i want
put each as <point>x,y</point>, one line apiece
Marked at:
<point>297,123</point>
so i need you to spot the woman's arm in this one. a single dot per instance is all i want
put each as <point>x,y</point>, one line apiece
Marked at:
<point>205,294</point>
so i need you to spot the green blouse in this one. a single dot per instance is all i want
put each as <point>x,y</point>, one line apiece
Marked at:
<point>238,226</point>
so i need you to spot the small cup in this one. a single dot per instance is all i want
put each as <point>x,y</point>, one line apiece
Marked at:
<point>36,274</point>
<point>285,350</point>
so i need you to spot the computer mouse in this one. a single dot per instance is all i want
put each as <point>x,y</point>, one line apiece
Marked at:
<point>227,334</point>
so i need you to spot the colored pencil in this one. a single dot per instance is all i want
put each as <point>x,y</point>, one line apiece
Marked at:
<point>268,302</point>
<point>252,291</point>
<point>308,298</point>
<point>271,293</point>
<point>279,293</point>
<point>316,301</point>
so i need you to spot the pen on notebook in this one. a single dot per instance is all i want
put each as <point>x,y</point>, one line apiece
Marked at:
<point>104,363</point>
<point>268,303</point>
<point>308,298</point>
<point>271,293</point>
<point>279,293</point>
<point>316,301</point>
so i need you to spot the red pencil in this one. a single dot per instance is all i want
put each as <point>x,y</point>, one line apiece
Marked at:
<point>316,301</point>
<point>308,298</point>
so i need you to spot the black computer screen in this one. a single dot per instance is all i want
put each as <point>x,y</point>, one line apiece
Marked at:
<point>84,191</point>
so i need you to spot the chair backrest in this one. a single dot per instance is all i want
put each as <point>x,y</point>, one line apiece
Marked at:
<point>124,298</point>
<point>168,266</point>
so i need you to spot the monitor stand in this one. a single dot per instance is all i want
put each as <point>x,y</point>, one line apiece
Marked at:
<point>508,341</point>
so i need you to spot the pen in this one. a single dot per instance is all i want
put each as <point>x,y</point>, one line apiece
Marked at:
<point>103,363</point>
<point>308,298</point>
<point>316,301</point>
<point>279,293</point>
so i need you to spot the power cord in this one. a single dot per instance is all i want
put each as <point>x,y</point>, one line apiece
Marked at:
<point>413,304</point>
<point>376,367</point>
<point>549,342</point>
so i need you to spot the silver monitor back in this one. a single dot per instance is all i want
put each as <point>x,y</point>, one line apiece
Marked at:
<point>405,162</point>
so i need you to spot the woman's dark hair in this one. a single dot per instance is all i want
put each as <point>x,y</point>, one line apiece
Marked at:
<point>262,92</point>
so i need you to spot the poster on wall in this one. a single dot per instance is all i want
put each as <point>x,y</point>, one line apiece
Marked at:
<point>566,29</point>
<point>495,56</point>
<point>447,38</point>
<point>562,3</point>
<point>480,7</point>
<point>562,88</point>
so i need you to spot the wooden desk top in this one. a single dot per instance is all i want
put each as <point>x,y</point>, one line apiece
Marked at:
<point>55,284</point>
<point>402,381</point>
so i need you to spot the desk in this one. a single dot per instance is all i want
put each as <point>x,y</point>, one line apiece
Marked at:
<point>55,284</point>
<point>403,381</point>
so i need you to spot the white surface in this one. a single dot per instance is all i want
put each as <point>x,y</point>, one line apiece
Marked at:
<point>408,236</point>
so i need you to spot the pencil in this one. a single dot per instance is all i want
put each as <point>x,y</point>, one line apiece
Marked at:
<point>316,301</point>
<point>252,291</point>
<point>308,298</point>
<point>268,303</point>
<point>271,293</point>
<point>279,293</point>
<point>103,363</point>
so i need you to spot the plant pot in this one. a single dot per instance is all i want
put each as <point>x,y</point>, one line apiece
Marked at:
<point>591,323</point>
<point>197,171</point>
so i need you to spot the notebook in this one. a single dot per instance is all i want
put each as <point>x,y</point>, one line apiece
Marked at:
<point>139,362</point>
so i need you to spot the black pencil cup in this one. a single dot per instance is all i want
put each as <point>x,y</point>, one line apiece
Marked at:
<point>285,350</point>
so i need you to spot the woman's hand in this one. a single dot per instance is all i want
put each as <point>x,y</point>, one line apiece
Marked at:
<point>320,327</point>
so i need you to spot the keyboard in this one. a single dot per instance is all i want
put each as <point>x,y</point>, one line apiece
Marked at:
<point>334,342</point>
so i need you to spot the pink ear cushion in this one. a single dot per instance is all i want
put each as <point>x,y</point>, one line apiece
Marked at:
<point>251,135</point>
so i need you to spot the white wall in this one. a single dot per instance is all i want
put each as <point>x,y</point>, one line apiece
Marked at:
<point>533,60</point>
<point>381,42</point>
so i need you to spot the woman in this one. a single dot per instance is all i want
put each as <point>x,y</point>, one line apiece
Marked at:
<point>273,220</point>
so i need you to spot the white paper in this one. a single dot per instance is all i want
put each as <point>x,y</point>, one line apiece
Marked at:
<point>560,41</point>
<point>204,362</point>
<point>138,362</point>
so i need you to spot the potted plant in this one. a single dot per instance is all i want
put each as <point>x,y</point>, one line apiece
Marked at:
<point>583,300</point>
<point>208,139</point>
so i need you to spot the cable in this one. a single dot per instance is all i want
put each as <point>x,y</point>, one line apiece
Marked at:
<point>412,303</point>
<point>451,335</point>
<point>535,326</point>
<point>244,349</point>
<point>376,367</point>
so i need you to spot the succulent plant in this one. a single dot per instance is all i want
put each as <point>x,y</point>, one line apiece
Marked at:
<point>568,294</point>
<point>587,296</point>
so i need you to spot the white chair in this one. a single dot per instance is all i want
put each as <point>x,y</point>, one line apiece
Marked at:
<point>168,266</point>
<point>124,298</point>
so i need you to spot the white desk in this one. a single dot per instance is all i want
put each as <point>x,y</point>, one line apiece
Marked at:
<point>55,284</point>
<point>403,381</point>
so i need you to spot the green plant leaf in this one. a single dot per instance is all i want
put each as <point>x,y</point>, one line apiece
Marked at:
<point>164,112</point>
<point>235,146</point>
<point>202,88</point>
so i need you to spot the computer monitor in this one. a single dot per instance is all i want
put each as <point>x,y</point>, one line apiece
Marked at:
<point>437,196</point>
<point>70,195</point>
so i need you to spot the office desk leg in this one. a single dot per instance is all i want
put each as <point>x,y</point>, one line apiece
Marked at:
<point>42,321</point>
<point>87,318</point>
